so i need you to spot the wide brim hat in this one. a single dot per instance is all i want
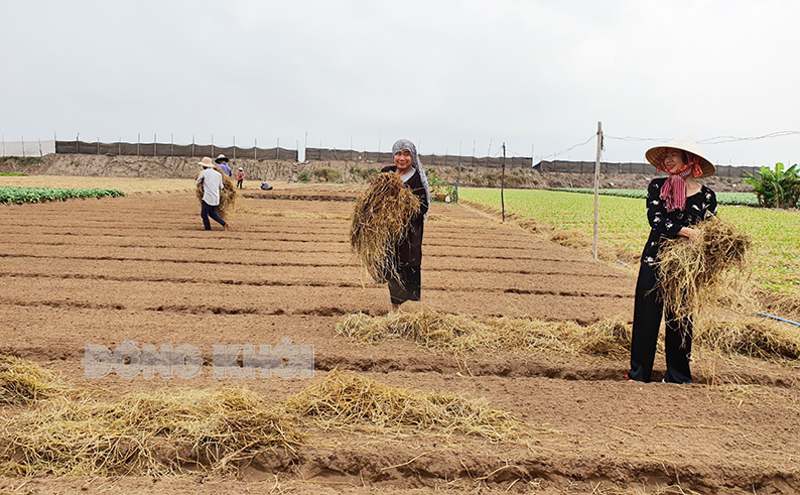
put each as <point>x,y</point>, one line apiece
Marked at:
<point>221,158</point>
<point>206,162</point>
<point>656,154</point>
<point>240,168</point>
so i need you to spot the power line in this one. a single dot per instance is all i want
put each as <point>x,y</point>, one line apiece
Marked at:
<point>553,155</point>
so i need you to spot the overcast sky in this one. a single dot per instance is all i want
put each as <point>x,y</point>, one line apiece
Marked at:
<point>535,74</point>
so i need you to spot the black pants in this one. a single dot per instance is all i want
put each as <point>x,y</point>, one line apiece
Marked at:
<point>239,184</point>
<point>206,210</point>
<point>407,287</point>
<point>647,312</point>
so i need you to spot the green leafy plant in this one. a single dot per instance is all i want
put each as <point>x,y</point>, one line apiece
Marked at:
<point>303,177</point>
<point>12,194</point>
<point>327,175</point>
<point>776,189</point>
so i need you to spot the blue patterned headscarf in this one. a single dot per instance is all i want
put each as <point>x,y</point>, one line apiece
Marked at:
<point>405,144</point>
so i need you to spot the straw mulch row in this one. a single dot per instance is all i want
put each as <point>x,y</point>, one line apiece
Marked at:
<point>380,219</point>
<point>227,197</point>
<point>754,337</point>
<point>693,276</point>
<point>352,402</point>
<point>154,433</point>
<point>22,382</point>
<point>465,332</point>
<point>176,431</point>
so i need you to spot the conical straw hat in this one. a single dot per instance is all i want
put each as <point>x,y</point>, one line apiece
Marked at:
<point>656,154</point>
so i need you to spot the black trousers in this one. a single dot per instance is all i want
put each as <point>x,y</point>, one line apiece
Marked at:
<point>407,287</point>
<point>206,210</point>
<point>647,313</point>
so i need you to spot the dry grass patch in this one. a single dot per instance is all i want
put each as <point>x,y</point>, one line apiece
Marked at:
<point>380,219</point>
<point>754,337</point>
<point>152,433</point>
<point>23,382</point>
<point>465,332</point>
<point>348,401</point>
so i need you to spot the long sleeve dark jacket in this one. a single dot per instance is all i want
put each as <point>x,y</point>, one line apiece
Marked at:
<point>666,225</point>
<point>409,251</point>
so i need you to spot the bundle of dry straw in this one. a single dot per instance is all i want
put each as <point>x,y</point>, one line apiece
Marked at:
<point>754,337</point>
<point>694,275</point>
<point>227,197</point>
<point>152,433</point>
<point>465,332</point>
<point>381,217</point>
<point>351,401</point>
<point>23,382</point>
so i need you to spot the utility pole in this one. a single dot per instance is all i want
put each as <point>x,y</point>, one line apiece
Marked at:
<point>597,189</point>
<point>503,184</point>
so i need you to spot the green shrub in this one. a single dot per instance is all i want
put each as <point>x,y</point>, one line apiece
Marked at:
<point>303,177</point>
<point>364,174</point>
<point>776,189</point>
<point>328,175</point>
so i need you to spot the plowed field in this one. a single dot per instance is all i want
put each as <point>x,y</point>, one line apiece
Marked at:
<point>142,268</point>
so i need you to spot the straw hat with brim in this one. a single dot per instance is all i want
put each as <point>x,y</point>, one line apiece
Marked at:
<point>206,162</point>
<point>656,155</point>
<point>221,158</point>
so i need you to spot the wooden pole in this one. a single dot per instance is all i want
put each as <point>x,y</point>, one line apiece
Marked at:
<point>23,146</point>
<point>597,189</point>
<point>458,175</point>
<point>234,147</point>
<point>503,184</point>
<point>155,146</point>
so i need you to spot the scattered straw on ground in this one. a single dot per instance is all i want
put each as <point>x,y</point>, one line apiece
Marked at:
<point>778,304</point>
<point>380,219</point>
<point>23,382</point>
<point>152,433</point>
<point>464,332</point>
<point>755,336</point>
<point>253,212</point>
<point>228,196</point>
<point>694,275</point>
<point>350,401</point>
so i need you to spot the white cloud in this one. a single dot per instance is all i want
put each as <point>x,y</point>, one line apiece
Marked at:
<point>536,73</point>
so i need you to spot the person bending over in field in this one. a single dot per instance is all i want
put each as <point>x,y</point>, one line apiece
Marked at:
<point>211,181</point>
<point>407,286</point>
<point>674,205</point>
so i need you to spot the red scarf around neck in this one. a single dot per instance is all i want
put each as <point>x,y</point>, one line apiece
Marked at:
<point>674,189</point>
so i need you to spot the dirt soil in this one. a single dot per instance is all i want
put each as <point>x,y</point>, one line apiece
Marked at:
<point>142,268</point>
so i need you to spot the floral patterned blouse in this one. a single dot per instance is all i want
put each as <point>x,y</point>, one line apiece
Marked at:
<point>666,225</point>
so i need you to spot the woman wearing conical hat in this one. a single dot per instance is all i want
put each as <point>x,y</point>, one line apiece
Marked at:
<point>674,205</point>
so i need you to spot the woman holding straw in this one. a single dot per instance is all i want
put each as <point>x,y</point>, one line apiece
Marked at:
<point>406,285</point>
<point>674,205</point>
